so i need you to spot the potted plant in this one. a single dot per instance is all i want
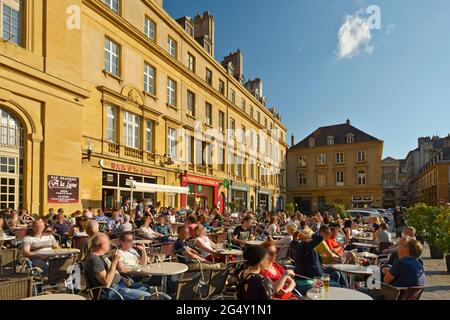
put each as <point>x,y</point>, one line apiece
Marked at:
<point>424,219</point>
<point>339,209</point>
<point>443,242</point>
<point>290,208</point>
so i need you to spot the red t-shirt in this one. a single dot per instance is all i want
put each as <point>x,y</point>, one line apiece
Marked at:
<point>333,244</point>
<point>275,277</point>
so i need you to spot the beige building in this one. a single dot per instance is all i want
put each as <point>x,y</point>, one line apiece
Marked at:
<point>95,92</point>
<point>394,182</point>
<point>337,164</point>
<point>433,180</point>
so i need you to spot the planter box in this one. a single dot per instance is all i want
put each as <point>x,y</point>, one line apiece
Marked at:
<point>447,260</point>
<point>435,253</point>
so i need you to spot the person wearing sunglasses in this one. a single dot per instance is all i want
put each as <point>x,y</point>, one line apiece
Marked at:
<point>283,283</point>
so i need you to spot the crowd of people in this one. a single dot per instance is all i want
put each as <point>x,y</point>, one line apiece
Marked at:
<point>294,248</point>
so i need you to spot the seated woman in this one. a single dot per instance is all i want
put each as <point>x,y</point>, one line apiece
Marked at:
<point>252,285</point>
<point>14,221</point>
<point>305,228</point>
<point>272,227</point>
<point>191,221</point>
<point>206,246</point>
<point>283,284</point>
<point>146,232</point>
<point>25,217</point>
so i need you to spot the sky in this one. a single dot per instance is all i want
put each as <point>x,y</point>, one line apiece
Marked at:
<point>323,61</point>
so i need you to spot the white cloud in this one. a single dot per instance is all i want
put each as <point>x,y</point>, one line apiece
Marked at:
<point>391,28</point>
<point>354,35</point>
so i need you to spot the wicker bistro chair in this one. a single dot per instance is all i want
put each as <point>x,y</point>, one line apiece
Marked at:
<point>16,289</point>
<point>8,261</point>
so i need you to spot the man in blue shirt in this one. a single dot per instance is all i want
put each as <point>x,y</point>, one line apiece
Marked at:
<point>408,270</point>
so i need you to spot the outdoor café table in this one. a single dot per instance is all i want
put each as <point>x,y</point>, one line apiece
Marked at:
<point>49,252</point>
<point>165,269</point>
<point>254,242</point>
<point>143,241</point>
<point>227,253</point>
<point>352,270</point>
<point>363,238</point>
<point>58,297</point>
<point>370,246</point>
<point>6,239</point>
<point>338,294</point>
<point>367,255</point>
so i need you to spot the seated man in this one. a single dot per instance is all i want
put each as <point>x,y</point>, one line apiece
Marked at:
<point>189,256</point>
<point>408,270</point>
<point>36,241</point>
<point>132,260</point>
<point>61,227</point>
<point>115,222</point>
<point>244,232</point>
<point>102,272</point>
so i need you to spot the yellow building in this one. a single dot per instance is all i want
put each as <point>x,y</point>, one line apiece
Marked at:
<point>336,164</point>
<point>433,181</point>
<point>95,92</point>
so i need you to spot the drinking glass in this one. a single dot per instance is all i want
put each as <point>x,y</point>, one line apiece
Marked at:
<point>317,286</point>
<point>326,281</point>
<point>69,243</point>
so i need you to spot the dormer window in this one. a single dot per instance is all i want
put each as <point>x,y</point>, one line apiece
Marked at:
<point>330,140</point>
<point>189,28</point>
<point>350,138</point>
<point>312,142</point>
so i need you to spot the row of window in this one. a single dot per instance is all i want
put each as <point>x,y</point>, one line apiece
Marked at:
<point>361,156</point>
<point>132,126</point>
<point>112,65</point>
<point>349,138</point>
<point>321,179</point>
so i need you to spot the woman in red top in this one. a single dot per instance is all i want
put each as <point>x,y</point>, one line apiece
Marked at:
<point>283,284</point>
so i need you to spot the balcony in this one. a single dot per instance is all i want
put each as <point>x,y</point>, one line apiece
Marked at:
<point>113,148</point>
<point>200,169</point>
<point>133,153</point>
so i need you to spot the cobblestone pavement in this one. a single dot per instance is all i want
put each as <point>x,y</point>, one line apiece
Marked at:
<point>438,280</point>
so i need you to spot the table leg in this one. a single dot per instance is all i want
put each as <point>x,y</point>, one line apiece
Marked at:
<point>164,284</point>
<point>352,281</point>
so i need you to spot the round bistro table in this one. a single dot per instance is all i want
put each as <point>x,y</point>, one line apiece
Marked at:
<point>165,269</point>
<point>338,294</point>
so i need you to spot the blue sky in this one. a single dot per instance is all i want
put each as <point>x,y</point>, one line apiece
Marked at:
<point>395,87</point>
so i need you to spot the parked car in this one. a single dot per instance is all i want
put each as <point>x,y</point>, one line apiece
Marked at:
<point>364,213</point>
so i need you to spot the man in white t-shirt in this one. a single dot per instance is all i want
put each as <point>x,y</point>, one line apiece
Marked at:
<point>132,261</point>
<point>35,242</point>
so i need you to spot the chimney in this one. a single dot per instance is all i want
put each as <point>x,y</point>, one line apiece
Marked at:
<point>204,31</point>
<point>348,122</point>
<point>255,87</point>
<point>237,63</point>
<point>292,141</point>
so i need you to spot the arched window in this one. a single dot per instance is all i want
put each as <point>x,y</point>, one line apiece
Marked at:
<point>350,138</point>
<point>330,140</point>
<point>11,161</point>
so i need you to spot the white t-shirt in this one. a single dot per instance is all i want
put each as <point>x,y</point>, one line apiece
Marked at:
<point>148,233</point>
<point>130,259</point>
<point>36,243</point>
<point>206,242</point>
<point>272,229</point>
<point>172,219</point>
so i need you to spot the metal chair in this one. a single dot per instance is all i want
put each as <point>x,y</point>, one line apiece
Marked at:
<point>16,289</point>
<point>383,246</point>
<point>386,291</point>
<point>187,286</point>
<point>411,293</point>
<point>217,283</point>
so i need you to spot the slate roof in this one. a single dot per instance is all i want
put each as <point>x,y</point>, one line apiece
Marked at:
<point>339,132</point>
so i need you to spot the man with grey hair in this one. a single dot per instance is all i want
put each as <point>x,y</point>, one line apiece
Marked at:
<point>102,272</point>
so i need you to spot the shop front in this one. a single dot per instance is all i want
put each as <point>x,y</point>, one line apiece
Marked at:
<point>239,196</point>
<point>116,184</point>
<point>203,193</point>
<point>263,200</point>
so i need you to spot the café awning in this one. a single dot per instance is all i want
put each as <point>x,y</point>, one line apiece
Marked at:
<point>150,187</point>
